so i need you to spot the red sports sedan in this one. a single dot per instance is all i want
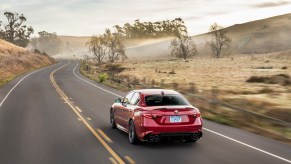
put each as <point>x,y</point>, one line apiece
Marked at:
<point>151,114</point>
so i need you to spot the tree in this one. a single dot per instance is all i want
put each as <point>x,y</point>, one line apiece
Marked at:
<point>97,46</point>
<point>15,31</point>
<point>219,40</point>
<point>47,42</point>
<point>116,49</point>
<point>182,46</point>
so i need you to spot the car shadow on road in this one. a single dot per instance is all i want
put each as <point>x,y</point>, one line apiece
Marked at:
<point>164,143</point>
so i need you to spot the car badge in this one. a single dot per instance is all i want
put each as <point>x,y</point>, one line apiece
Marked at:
<point>176,111</point>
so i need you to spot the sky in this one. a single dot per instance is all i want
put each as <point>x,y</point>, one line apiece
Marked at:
<point>91,17</point>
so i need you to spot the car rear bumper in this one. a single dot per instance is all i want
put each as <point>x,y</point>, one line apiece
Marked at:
<point>169,131</point>
<point>156,137</point>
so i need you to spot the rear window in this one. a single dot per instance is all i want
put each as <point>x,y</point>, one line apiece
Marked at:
<point>166,100</point>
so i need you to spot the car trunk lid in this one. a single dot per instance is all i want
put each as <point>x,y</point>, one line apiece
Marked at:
<point>174,115</point>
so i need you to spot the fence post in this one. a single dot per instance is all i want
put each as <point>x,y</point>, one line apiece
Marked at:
<point>162,83</point>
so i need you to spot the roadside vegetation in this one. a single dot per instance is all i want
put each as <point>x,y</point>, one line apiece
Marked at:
<point>15,30</point>
<point>15,59</point>
<point>220,41</point>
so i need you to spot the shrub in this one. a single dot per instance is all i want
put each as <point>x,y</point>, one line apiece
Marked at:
<point>102,77</point>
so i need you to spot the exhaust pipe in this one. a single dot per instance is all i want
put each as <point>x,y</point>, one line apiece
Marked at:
<point>154,138</point>
<point>157,138</point>
<point>196,136</point>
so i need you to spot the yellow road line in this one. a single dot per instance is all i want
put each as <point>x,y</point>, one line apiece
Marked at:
<point>63,95</point>
<point>113,160</point>
<point>104,136</point>
<point>129,160</point>
<point>78,109</point>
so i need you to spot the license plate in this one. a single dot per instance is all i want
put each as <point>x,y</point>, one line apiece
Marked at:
<point>175,119</point>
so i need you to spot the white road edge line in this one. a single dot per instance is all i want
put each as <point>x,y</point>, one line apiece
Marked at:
<point>19,83</point>
<point>234,140</point>
<point>92,83</point>
<point>247,145</point>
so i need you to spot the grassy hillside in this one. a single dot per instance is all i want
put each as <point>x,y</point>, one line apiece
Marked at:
<point>15,60</point>
<point>256,37</point>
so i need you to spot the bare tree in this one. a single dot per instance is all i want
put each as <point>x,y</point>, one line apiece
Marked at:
<point>96,45</point>
<point>219,40</point>
<point>182,46</point>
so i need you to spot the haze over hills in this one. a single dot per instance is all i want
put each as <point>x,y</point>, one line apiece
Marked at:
<point>255,37</point>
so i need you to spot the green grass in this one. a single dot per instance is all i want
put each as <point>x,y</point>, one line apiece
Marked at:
<point>220,119</point>
<point>7,80</point>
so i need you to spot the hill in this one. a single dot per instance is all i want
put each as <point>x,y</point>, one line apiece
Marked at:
<point>255,37</point>
<point>15,60</point>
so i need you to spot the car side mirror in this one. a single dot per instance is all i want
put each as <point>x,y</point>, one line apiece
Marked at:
<point>118,100</point>
<point>125,101</point>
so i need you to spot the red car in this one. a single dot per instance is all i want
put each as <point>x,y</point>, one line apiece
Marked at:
<point>151,114</point>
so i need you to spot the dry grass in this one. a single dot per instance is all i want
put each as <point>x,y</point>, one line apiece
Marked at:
<point>228,74</point>
<point>15,60</point>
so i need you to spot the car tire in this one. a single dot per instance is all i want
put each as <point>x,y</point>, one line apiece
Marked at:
<point>112,120</point>
<point>132,133</point>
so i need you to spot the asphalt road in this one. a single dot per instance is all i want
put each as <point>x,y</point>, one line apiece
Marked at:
<point>56,115</point>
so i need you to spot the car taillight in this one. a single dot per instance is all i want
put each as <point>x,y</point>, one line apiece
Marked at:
<point>196,115</point>
<point>146,115</point>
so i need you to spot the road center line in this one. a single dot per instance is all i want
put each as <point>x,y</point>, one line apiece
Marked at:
<point>87,124</point>
<point>78,109</point>
<point>224,136</point>
<point>130,160</point>
<point>104,136</point>
<point>113,160</point>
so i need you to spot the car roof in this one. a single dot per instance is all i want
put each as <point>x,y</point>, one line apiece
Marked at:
<point>155,91</point>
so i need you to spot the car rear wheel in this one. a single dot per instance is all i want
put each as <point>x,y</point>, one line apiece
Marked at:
<point>112,120</point>
<point>132,133</point>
